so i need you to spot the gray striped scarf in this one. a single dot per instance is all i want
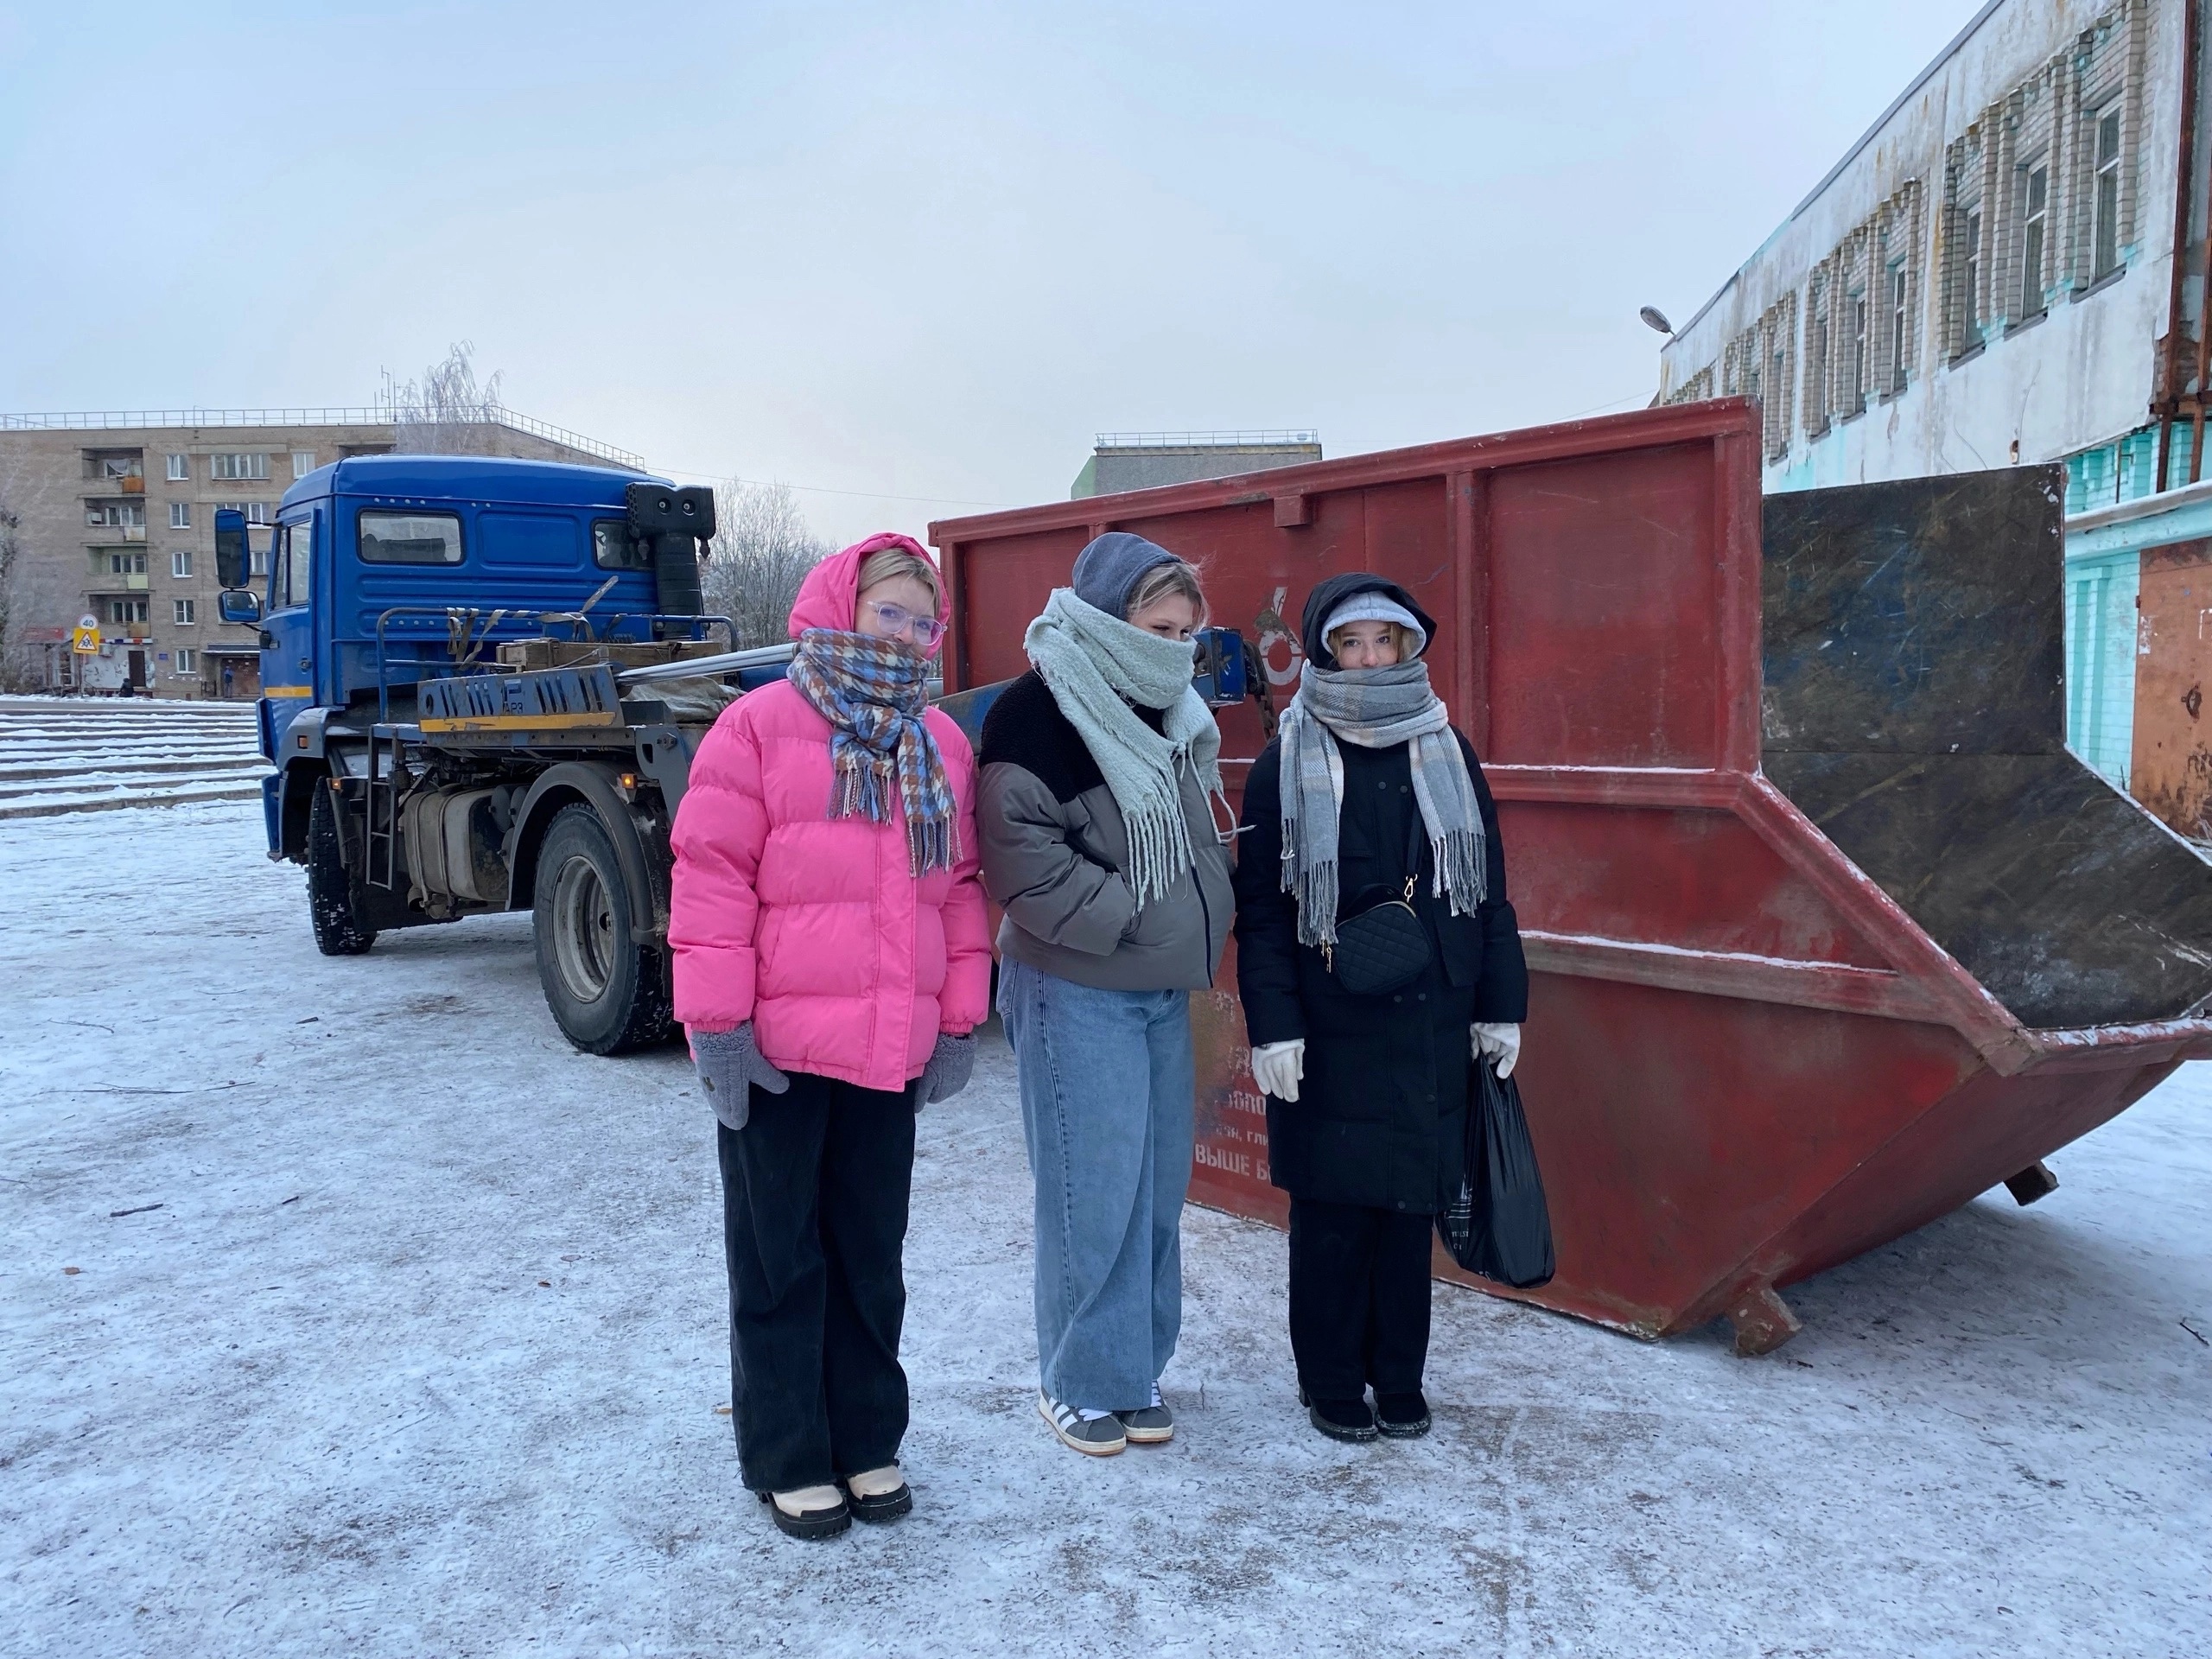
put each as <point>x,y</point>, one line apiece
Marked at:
<point>1375,708</point>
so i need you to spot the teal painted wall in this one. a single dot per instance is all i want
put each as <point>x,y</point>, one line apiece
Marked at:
<point>2100,661</point>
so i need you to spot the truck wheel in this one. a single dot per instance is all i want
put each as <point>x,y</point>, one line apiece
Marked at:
<point>333,896</point>
<point>607,994</point>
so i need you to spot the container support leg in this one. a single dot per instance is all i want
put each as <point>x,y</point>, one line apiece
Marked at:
<point>2034,1182</point>
<point>1763,1320</point>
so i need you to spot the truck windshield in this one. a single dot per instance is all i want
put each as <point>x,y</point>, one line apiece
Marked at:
<point>411,539</point>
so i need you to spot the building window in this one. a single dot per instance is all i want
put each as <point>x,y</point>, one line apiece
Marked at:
<point>187,661</point>
<point>2106,195</point>
<point>185,612</point>
<point>240,467</point>
<point>115,515</point>
<point>1777,406</point>
<point>180,469</point>
<point>122,611</point>
<point>2035,219</point>
<point>1858,344</point>
<point>1817,367</point>
<point>1971,336</point>
<point>257,513</point>
<point>302,462</point>
<point>179,515</point>
<point>1900,324</point>
<point>180,563</point>
<point>126,564</point>
<point>259,565</point>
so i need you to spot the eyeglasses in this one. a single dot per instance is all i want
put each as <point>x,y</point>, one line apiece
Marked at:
<point>897,620</point>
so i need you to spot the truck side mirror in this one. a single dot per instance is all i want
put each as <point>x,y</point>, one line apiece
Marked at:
<point>233,561</point>
<point>238,605</point>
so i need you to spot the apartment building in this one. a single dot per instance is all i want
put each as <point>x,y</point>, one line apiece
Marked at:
<point>115,521</point>
<point>2009,268</point>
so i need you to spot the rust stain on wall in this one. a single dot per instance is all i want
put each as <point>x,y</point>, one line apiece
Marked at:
<point>2173,667</point>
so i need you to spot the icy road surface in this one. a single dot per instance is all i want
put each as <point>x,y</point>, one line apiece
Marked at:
<point>421,1351</point>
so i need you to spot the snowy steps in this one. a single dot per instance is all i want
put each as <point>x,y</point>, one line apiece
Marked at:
<point>69,755</point>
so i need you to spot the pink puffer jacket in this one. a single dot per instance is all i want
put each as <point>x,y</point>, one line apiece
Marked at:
<point>813,928</point>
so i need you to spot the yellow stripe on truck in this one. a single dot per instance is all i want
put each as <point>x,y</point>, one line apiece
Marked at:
<point>288,690</point>
<point>519,722</point>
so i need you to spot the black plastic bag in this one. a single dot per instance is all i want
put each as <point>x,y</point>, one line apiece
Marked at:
<point>1497,1224</point>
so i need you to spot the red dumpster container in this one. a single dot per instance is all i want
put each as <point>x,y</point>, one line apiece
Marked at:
<point>1829,932</point>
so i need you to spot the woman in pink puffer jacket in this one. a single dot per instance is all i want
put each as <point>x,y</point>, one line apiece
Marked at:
<point>831,958</point>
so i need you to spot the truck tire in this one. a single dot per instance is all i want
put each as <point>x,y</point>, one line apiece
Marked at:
<point>607,994</point>
<point>333,896</point>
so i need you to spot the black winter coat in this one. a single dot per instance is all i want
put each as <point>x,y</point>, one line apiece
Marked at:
<point>1381,1114</point>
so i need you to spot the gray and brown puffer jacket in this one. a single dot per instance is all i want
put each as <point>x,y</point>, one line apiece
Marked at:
<point>1054,847</point>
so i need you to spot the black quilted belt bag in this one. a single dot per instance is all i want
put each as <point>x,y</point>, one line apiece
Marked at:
<point>1384,948</point>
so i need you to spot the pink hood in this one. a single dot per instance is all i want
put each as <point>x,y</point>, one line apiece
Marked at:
<point>832,588</point>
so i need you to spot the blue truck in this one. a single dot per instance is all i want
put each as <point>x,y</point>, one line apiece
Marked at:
<point>483,682</point>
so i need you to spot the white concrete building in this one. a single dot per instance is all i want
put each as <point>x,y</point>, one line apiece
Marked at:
<point>2007,268</point>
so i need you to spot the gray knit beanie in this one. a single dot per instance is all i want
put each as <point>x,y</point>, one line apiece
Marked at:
<point>1107,571</point>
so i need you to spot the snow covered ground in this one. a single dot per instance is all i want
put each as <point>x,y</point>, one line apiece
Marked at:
<point>88,754</point>
<point>421,1352</point>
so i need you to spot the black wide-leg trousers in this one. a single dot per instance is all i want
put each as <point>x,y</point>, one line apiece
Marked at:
<point>814,1191</point>
<point>1358,1299</point>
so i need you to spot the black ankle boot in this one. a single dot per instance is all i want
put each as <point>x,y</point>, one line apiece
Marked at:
<point>1402,1416</point>
<point>1340,1419</point>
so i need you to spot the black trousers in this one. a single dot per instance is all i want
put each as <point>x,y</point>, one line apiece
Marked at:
<point>1358,1299</point>
<point>814,1219</point>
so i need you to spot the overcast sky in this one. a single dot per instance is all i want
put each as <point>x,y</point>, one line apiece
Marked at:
<point>917,250</point>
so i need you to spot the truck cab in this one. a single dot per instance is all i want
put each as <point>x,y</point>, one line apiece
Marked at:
<point>441,638</point>
<point>374,557</point>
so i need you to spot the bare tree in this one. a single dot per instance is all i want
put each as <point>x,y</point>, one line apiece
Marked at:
<point>762,551</point>
<point>446,412</point>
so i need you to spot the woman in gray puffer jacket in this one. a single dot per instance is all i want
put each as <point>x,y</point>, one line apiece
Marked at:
<point>1101,837</point>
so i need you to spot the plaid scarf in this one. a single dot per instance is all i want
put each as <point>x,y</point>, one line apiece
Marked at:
<point>1375,709</point>
<point>873,693</point>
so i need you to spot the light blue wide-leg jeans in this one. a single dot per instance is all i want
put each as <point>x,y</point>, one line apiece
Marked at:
<point>1106,1087</point>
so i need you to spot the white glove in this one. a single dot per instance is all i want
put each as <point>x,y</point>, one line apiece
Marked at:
<point>1500,1044</point>
<point>1276,1067</point>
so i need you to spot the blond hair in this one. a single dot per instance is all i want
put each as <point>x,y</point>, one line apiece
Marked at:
<point>889,564</point>
<point>1171,578</point>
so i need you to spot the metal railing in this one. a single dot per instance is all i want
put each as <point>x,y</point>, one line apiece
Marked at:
<point>387,416</point>
<point>1305,437</point>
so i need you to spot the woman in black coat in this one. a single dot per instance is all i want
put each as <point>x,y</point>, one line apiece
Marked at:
<point>1366,785</point>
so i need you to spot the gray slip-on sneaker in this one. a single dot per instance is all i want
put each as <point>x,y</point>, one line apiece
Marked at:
<point>1095,1436</point>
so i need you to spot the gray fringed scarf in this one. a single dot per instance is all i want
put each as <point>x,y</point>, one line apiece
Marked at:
<point>1375,708</point>
<point>1096,666</point>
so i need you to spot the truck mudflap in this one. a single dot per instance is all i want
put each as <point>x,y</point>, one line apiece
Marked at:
<point>272,812</point>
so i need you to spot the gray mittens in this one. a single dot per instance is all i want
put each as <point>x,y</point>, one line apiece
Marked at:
<point>730,1064</point>
<point>950,1063</point>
